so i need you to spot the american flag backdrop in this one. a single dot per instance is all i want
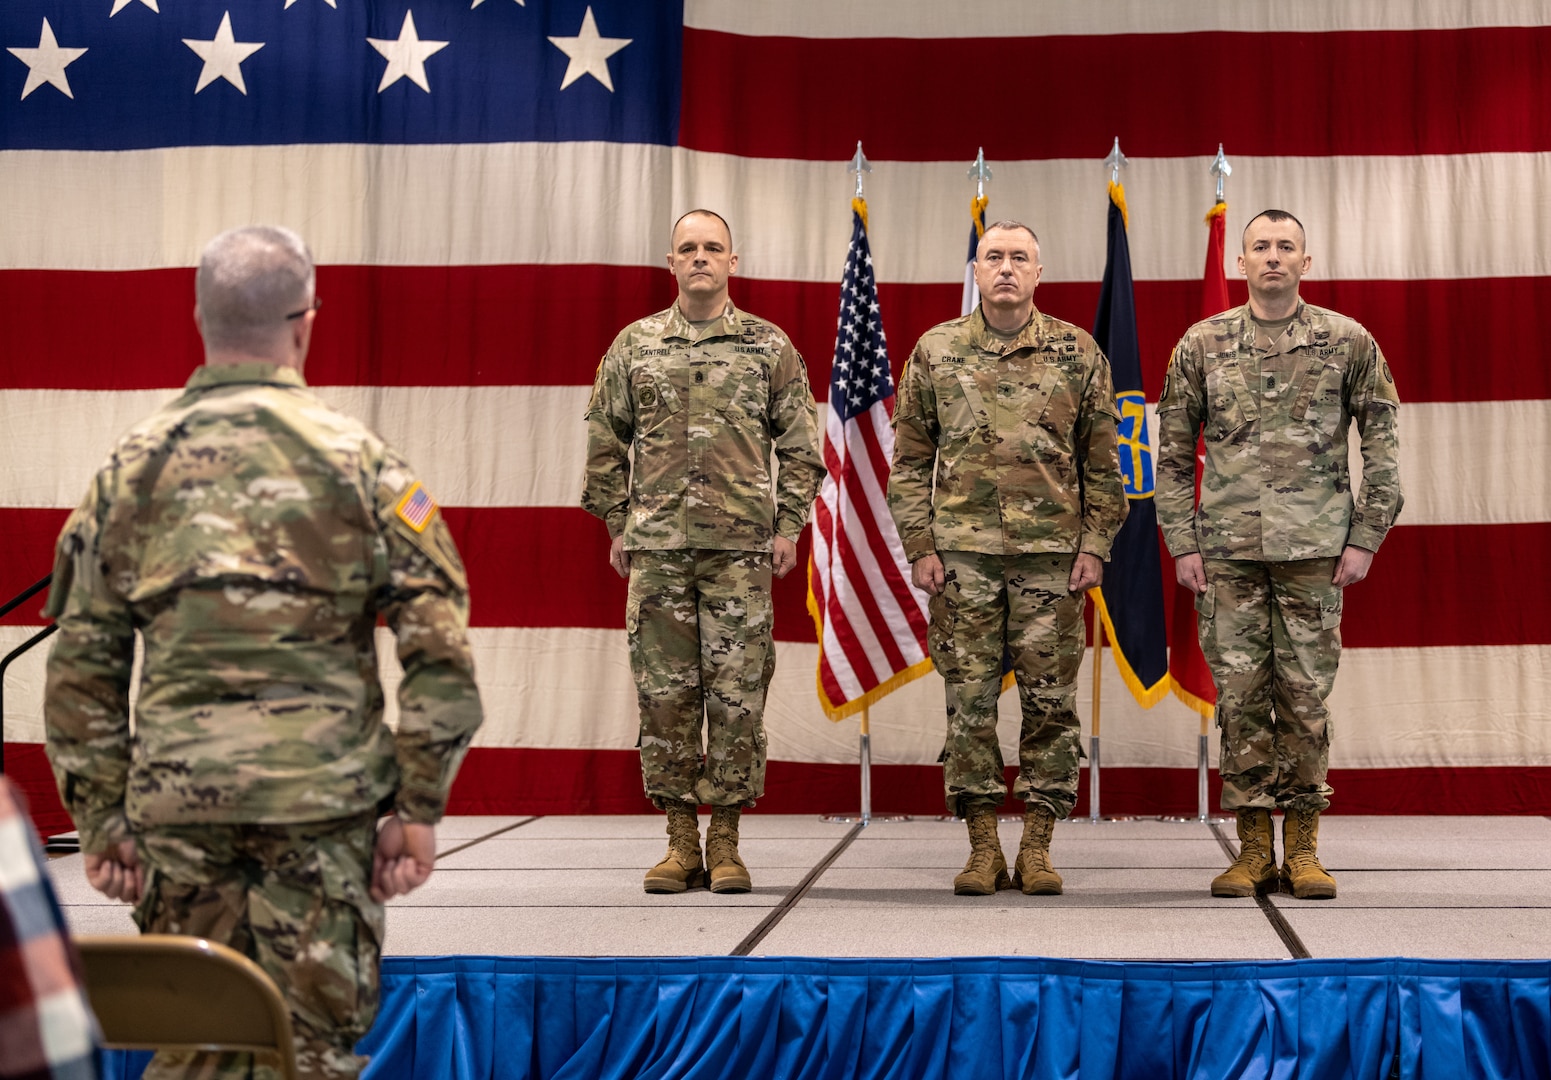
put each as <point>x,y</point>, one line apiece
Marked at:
<point>488,186</point>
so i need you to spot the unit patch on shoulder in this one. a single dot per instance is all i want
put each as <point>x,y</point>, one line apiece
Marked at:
<point>416,508</point>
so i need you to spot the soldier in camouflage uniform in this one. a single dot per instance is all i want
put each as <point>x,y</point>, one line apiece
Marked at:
<point>1275,386</point>
<point>1013,413</point>
<point>252,536</point>
<point>687,406</point>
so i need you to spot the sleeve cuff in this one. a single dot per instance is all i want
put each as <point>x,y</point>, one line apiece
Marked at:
<point>919,547</point>
<point>420,807</point>
<point>1181,542</point>
<point>1093,545</point>
<point>101,833</point>
<point>1365,536</point>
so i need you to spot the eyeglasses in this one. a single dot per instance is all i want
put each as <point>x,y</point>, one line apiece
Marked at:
<point>317,303</point>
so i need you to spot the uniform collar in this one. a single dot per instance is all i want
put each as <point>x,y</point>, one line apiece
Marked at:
<point>1032,336</point>
<point>1297,335</point>
<point>679,327</point>
<point>209,375</point>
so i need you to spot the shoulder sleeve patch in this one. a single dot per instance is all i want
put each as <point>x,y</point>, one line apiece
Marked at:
<point>416,508</point>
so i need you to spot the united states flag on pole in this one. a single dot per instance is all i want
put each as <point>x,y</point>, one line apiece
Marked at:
<point>871,622</point>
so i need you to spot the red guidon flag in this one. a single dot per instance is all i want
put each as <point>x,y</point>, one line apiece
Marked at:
<point>1187,667</point>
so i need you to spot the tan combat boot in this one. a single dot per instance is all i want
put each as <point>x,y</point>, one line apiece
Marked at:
<point>682,868</point>
<point>1301,871</point>
<point>728,874</point>
<point>1034,874</point>
<point>1254,871</point>
<point>986,870</point>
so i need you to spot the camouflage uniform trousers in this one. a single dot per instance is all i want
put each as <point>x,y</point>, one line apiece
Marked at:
<point>1019,603</point>
<point>294,899</point>
<point>1271,633</point>
<point>699,624</point>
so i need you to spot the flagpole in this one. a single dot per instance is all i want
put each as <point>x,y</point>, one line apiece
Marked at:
<point>1205,814</point>
<point>1221,170</point>
<point>866,769</point>
<point>1114,162</point>
<point>860,166</point>
<point>1093,740</point>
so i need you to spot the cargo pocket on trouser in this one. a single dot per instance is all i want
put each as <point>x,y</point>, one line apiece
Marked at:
<point>1330,611</point>
<point>334,971</point>
<point>1206,630</point>
<point>146,908</point>
<point>939,636</point>
<point>633,626</point>
<point>1206,611</point>
<point>632,613</point>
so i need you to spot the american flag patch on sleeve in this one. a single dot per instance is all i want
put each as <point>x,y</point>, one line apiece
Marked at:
<point>416,508</point>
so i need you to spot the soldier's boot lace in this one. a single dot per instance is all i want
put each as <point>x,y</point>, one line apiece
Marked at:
<point>682,868</point>
<point>1254,871</point>
<point>1302,873</point>
<point>986,870</point>
<point>1034,874</point>
<point>728,874</point>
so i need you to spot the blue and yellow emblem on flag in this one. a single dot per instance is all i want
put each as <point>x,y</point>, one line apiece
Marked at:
<point>416,508</point>
<point>1135,444</point>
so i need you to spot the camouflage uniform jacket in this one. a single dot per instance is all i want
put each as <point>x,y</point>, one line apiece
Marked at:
<point>1276,485</point>
<point>699,412</point>
<point>252,535</point>
<point>1022,438</point>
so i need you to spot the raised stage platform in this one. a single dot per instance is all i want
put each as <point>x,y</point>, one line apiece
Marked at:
<point>1450,887</point>
<point>1441,889</point>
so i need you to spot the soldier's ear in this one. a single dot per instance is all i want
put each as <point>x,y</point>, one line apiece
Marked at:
<point>732,264</point>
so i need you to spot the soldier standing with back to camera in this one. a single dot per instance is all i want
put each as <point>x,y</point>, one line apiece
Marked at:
<point>687,407</point>
<point>1275,386</point>
<point>1007,492</point>
<point>251,536</point>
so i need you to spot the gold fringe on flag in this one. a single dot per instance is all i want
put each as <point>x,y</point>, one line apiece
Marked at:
<point>859,205</point>
<point>1117,195</point>
<point>1205,708</point>
<point>873,696</point>
<point>977,210</point>
<point>1146,696</point>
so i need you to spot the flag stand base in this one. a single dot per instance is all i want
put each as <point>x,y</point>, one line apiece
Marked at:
<point>1203,815</point>
<point>865,816</point>
<point>1094,817</point>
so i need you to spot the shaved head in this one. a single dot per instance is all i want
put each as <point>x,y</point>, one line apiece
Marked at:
<point>1272,215</point>
<point>702,213</point>
<point>1006,225</point>
<point>249,280</point>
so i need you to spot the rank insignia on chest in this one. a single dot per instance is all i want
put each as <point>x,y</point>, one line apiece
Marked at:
<point>416,508</point>
<point>648,396</point>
